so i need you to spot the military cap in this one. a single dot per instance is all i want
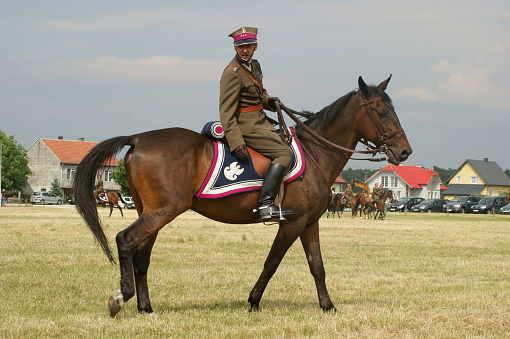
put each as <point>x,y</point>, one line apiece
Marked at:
<point>245,36</point>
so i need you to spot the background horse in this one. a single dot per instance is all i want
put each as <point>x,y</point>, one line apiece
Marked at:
<point>381,204</point>
<point>113,201</point>
<point>355,203</point>
<point>166,168</point>
<point>337,205</point>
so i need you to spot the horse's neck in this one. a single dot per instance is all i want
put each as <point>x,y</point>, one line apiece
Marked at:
<point>340,132</point>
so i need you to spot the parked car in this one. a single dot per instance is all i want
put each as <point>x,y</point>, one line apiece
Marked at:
<point>70,198</point>
<point>461,204</point>
<point>430,205</point>
<point>129,203</point>
<point>488,204</point>
<point>45,198</point>
<point>505,209</point>
<point>404,203</point>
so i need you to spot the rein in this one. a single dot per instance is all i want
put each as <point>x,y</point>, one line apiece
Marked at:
<point>365,108</point>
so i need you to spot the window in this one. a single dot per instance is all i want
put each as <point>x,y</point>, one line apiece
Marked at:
<point>108,176</point>
<point>457,179</point>
<point>384,181</point>
<point>474,180</point>
<point>393,182</point>
<point>491,193</point>
<point>70,173</point>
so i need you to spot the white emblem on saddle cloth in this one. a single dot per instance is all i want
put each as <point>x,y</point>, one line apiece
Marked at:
<point>233,171</point>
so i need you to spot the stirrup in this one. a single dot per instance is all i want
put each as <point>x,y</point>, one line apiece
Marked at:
<point>273,213</point>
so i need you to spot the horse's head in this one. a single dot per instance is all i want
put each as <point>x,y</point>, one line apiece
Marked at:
<point>379,124</point>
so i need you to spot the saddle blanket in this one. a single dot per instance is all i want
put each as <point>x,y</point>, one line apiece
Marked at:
<point>103,197</point>
<point>229,175</point>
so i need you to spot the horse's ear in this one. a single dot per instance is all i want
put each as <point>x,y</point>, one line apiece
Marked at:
<point>362,86</point>
<point>384,84</point>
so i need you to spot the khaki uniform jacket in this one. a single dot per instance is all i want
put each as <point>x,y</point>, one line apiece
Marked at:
<point>238,90</point>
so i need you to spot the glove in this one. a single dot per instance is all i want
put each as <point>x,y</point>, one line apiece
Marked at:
<point>242,152</point>
<point>272,102</point>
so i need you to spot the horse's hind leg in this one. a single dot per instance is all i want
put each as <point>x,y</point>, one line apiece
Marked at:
<point>141,261</point>
<point>111,209</point>
<point>311,245</point>
<point>281,244</point>
<point>120,209</point>
<point>134,243</point>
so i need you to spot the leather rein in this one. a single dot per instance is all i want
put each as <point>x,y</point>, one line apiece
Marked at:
<point>366,111</point>
<point>383,136</point>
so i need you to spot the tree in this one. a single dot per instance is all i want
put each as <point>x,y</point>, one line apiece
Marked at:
<point>120,177</point>
<point>507,172</point>
<point>56,189</point>
<point>14,164</point>
<point>444,173</point>
<point>361,174</point>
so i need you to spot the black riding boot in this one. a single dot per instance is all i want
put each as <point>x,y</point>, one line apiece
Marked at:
<point>268,211</point>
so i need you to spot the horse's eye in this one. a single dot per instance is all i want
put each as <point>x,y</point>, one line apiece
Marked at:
<point>381,112</point>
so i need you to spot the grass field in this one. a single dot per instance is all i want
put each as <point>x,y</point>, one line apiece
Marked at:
<point>425,275</point>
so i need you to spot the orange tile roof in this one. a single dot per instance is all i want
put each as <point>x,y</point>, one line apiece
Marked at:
<point>73,152</point>
<point>414,176</point>
<point>340,180</point>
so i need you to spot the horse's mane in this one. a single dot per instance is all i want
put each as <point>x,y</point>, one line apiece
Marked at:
<point>324,118</point>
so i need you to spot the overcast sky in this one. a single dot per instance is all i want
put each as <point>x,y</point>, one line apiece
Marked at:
<point>99,69</point>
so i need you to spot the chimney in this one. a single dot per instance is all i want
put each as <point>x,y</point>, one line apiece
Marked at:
<point>81,139</point>
<point>486,159</point>
<point>60,137</point>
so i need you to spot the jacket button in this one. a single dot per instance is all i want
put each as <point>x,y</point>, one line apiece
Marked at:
<point>248,117</point>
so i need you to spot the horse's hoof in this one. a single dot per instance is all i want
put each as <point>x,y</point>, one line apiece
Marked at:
<point>254,309</point>
<point>114,306</point>
<point>330,309</point>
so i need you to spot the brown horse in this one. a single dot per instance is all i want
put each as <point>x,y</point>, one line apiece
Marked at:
<point>113,201</point>
<point>337,205</point>
<point>380,205</point>
<point>356,203</point>
<point>165,169</point>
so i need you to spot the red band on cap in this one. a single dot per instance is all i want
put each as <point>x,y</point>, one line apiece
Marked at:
<point>243,36</point>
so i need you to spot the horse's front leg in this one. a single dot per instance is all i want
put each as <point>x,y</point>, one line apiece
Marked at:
<point>311,245</point>
<point>111,209</point>
<point>285,237</point>
<point>120,209</point>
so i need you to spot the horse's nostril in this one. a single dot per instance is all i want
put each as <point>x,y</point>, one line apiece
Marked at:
<point>405,154</point>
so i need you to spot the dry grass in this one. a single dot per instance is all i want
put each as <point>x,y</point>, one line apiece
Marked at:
<point>409,276</point>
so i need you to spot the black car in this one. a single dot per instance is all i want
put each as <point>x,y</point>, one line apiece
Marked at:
<point>489,205</point>
<point>70,198</point>
<point>404,204</point>
<point>430,205</point>
<point>461,204</point>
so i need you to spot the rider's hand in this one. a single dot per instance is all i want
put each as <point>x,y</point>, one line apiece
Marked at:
<point>242,152</point>
<point>272,102</point>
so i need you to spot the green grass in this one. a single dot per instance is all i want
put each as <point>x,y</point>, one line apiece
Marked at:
<point>414,275</point>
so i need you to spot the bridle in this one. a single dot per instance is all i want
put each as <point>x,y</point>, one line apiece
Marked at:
<point>366,110</point>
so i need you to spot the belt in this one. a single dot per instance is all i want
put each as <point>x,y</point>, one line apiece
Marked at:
<point>249,108</point>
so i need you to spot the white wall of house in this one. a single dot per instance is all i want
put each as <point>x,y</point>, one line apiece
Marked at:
<point>45,168</point>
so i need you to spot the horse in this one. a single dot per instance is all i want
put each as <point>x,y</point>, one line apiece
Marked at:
<point>355,203</point>
<point>380,205</point>
<point>113,201</point>
<point>165,169</point>
<point>366,206</point>
<point>337,205</point>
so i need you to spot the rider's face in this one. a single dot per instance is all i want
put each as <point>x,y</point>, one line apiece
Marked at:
<point>245,52</point>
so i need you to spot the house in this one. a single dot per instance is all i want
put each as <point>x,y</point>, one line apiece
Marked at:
<point>482,177</point>
<point>408,181</point>
<point>339,185</point>
<point>51,159</point>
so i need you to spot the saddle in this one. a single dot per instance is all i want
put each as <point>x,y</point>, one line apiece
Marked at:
<point>103,197</point>
<point>228,175</point>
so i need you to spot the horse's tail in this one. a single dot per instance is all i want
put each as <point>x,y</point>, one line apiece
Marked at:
<point>83,185</point>
<point>121,199</point>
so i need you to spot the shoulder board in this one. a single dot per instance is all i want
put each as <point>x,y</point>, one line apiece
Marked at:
<point>235,67</point>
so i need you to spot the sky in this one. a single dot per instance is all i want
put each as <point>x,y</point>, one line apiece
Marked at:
<point>100,69</point>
